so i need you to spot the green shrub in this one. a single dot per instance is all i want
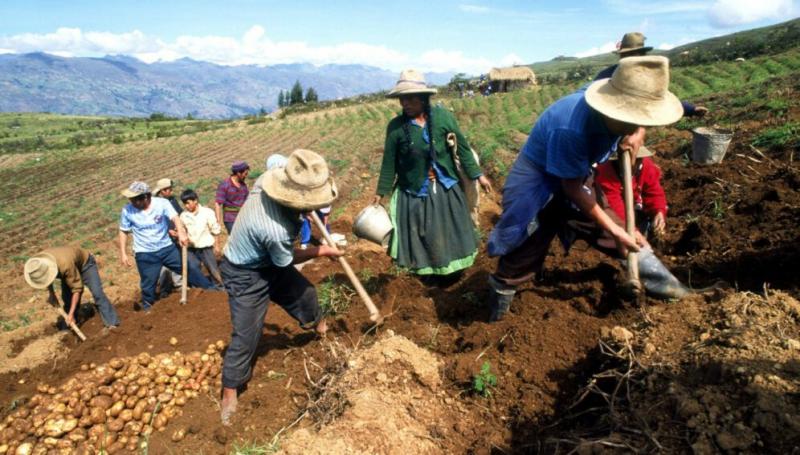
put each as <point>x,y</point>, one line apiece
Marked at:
<point>484,381</point>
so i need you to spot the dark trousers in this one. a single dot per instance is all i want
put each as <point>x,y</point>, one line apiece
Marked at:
<point>91,279</point>
<point>206,257</point>
<point>228,226</point>
<point>249,292</point>
<point>149,265</point>
<point>558,217</point>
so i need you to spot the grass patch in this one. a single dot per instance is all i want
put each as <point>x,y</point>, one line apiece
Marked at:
<point>334,298</point>
<point>15,322</point>
<point>787,135</point>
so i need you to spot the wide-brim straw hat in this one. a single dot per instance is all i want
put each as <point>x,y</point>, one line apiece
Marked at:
<point>303,184</point>
<point>643,152</point>
<point>136,189</point>
<point>631,42</point>
<point>637,93</point>
<point>411,82</point>
<point>41,270</point>
<point>160,185</point>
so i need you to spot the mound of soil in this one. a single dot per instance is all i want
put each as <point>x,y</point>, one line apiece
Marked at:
<point>391,400</point>
<point>718,374</point>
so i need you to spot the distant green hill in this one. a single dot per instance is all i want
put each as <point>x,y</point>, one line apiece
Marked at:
<point>770,40</point>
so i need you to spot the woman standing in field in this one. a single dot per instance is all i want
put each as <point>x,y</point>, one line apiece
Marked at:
<point>433,232</point>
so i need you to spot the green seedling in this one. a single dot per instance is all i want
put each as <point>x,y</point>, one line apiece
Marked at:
<point>484,381</point>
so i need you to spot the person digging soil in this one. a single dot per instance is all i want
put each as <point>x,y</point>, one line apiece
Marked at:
<point>549,179</point>
<point>258,263</point>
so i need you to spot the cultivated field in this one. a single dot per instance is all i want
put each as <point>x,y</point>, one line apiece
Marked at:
<point>717,372</point>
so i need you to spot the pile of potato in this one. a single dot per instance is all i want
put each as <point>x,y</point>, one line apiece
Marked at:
<point>112,407</point>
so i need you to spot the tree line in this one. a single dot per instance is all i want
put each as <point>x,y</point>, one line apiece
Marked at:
<point>295,96</point>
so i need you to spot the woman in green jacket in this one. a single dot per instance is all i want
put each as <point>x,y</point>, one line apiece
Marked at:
<point>433,233</point>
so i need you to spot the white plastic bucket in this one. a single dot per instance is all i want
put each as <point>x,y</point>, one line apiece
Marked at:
<point>710,144</point>
<point>373,224</point>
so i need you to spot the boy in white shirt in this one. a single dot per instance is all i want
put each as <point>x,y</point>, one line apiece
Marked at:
<point>203,230</point>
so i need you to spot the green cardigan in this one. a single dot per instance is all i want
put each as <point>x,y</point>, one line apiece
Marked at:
<point>411,171</point>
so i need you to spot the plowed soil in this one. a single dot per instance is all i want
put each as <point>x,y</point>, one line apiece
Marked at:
<point>736,221</point>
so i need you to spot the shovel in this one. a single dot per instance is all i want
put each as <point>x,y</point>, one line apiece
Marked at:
<point>184,275</point>
<point>374,315</point>
<point>633,284</point>
<point>72,325</point>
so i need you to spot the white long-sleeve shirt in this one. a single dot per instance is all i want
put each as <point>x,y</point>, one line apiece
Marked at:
<point>201,226</point>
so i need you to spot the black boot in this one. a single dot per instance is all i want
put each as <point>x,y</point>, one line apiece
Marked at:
<point>500,297</point>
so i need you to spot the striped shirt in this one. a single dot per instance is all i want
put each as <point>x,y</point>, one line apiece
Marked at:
<point>263,234</point>
<point>231,198</point>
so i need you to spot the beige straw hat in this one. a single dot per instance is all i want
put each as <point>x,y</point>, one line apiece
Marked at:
<point>303,184</point>
<point>136,189</point>
<point>160,185</point>
<point>633,41</point>
<point>637,93</point>
<point>411,82</point>
<point>41,270</point>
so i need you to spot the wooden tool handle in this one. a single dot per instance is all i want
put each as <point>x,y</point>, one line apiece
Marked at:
<point>184,274</point>
<point>630,220</point>
<point>71,325</point>
<point>374,314</point>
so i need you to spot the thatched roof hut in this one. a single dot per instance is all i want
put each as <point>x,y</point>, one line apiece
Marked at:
<point>505,79</point>
<point>514,73</point>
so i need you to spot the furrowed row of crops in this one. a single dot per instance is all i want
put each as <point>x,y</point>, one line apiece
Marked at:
<point>73,195</point>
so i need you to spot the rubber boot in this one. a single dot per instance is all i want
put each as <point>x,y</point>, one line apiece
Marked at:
<point>500,297</point>
<point>658,281</point>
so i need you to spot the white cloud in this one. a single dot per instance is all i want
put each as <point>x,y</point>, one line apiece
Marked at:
<point>473,8</point>
<point>602,49</point>
<point>666,47</point>
<point>254,47</point>
<point>729,13</point>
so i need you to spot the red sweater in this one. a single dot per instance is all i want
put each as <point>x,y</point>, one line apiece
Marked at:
<point>648,194</point>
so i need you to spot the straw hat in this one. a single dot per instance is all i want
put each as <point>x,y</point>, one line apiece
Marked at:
<point>160,185</point>
<point>633,41</point>
<point>136,189</point>
<point>637,93</point>
<point>644,152</point>
<point>411,82</point>
<point>41,270</point>
<point>304,184</point>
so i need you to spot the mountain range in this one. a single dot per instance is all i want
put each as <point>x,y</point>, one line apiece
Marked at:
<point>125,86</point>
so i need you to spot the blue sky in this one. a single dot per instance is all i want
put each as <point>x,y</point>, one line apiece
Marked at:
<point>468,35</point>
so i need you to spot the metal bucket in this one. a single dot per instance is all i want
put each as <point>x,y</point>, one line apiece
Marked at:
<point>710,144</point>
<point>373,224</point>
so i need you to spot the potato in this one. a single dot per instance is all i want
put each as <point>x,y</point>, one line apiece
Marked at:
<point>143,381</point>
<point>115,448</point>
<point>116,363</point>
<point>132,446</point>
<point>86,395</point>
<point>26,448</point>
<point>97,415</point>
<point>143,359</point>
<point>101,401</point>
<point>160,422</point>
<point>126,415</point>
<point>139,409</point>
<point>184,373</point>
<point>141,393</point>
<point>77,435</point>
<point>170,370</point>
<point>56,427</point>
<point>146,417</point>
<point>3,449</point>
<point>85,421</point>
<point>115,425</point>
<point>178,435</point>
<point>50,442</point>
<point>164,397</point>
<point>116,408</point>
